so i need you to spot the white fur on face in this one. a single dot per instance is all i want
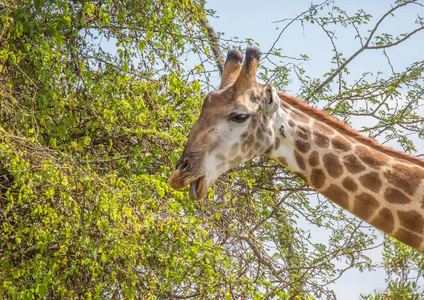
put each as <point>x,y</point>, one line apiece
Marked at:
<point>223,156</point>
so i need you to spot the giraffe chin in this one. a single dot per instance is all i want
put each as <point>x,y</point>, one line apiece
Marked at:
<point>197,189</point>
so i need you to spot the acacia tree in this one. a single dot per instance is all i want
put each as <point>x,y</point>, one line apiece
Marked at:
<point>90,93</point>
<point>96,99</point>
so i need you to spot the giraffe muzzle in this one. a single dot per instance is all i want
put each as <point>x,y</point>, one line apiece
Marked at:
<point>187,172</point>
<point>198,186</point>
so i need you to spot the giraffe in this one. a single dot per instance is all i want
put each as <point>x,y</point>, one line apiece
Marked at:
<point>245,119</point>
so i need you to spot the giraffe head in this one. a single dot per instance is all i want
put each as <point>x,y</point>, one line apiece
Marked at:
<point>235,125</point>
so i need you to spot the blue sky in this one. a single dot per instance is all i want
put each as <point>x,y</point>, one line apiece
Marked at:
<point>256,20</point>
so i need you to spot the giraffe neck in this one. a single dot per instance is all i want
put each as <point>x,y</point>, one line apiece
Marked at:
<point>377,184</point>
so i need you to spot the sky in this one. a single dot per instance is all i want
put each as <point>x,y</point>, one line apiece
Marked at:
<point>258,20</point>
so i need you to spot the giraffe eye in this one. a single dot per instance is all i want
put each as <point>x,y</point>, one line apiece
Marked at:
<point>239,118</point>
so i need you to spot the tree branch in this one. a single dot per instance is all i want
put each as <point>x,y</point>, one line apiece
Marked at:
<point>367,46</point>
<point>213,41</point>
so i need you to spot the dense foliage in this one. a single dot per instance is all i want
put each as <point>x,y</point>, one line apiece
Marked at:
<point>96,99</point>
<point>91,94</point>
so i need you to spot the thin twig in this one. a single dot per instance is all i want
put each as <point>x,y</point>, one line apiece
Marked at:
<point>366,46</point>
<point>213,41</point>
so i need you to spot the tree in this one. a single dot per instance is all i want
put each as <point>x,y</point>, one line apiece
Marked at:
<point>96,99</point>
<point>89,95</point>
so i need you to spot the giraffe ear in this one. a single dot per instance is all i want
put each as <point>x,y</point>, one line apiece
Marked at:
<point>270,100</point>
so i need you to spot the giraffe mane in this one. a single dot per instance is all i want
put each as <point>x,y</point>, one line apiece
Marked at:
<point>340,127</point>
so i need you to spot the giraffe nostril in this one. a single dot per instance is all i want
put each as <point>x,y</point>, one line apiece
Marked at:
<point>184,164</point>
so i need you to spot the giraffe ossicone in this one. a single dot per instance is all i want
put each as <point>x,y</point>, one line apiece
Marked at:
<point>245,119</point>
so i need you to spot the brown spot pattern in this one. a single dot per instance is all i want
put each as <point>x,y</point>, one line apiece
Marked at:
<point>282,132</point>
<point>234,149</point>
<point>282,160</point>
<point>365,206</point>
<point>411,220</point>
<point>314,159</point>
<point>291,123</point>
<point>300,161</point>
<point>395,196</point>
<point>349,184</point>
<point>317,178</point>
<point>302,146</point>
<point>332,165</point>
<point>338,195</point>
<point>321,140</point>
<point>303,132</point>
<point>277,143</point>
<point>371,181</point>
<point>259,134</point>
<point>371,158</point>
<point>384,220</point>
<point>341,144</point>
<point>301,176</point>
<point>237,160</point>
<point>352,164</point>
<point>408,238</point>
<point>247,144</point>
<point>405,178</point>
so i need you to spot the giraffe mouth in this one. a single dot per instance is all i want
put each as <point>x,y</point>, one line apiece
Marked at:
<point>197,188</point>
